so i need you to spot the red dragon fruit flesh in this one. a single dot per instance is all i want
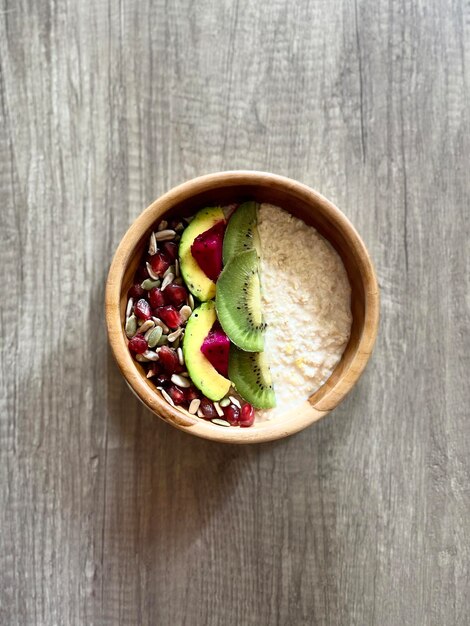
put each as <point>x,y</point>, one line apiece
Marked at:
<point>207,250</point>
<point>215,348</point>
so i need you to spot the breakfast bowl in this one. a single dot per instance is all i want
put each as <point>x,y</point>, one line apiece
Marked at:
<point>233,189</point>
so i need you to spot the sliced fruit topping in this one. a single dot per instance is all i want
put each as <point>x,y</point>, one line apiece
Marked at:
<point>207,250</point>
<point>194,276</point>
<point>250,374</point>
<point>238,302</point>
<point>215,348</point>
<point>202,372</point>
<point>241,234</point>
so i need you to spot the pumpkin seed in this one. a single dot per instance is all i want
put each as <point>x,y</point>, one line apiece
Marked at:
<point>131,326</point>
<point>167,280</point>
<point>149,284</point>
<point>163,225</point>
<point>181,381</point>
<point>152,274</point>
<point>220,422</point>
<point>224,402</point>
<point>163,340</point>
<point>153,336</point>
<point>185,312</point>
<point>152,244</point>
<point>194,406</point>
<point>220,413</point>
<point>146,326</point>
<point>165,235</point>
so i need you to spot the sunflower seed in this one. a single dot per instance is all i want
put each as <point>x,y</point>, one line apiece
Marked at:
<point>141,358</point>
<point>163,224</point>
<point>149,284</point>
<point>162,341</point>
<point>220,422</point>
<point>131,326</point>
<point>163,326</point>
<point>153,335</point>
<point>181,381</point>
<point>150,355</point>
<point>200,413</point>
<point>167,280</point>
<point>194,406</point>
<point>169,270</point>
<point>189,219</point>
<point>220,413</point>
<point>234,401</point>
<point>174,335</point>
<point>151,373</point>
<point>191,301</point>
<point>185,312</point>
<point>166,396</point>
<point>178,281</point>
<point>152,244</point>
<point>179,352</point>
<point>224,402</point>
<point>165,235</point>
<point>177,268</point>
<point>130,304</point>
<point>179,227</point>
<point>146,326</point>
<point>152,274</point>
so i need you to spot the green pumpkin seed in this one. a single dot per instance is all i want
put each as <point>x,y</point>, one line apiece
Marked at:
<point>224,402</point>
<point>154,337</point>
<point>131,326</point>
<point>163,340</point>
<point>150,284</point>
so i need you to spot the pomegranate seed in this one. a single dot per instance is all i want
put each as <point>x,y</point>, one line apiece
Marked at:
<point>141,273</point>
<point>176,394</point>
<point>170,316</point>
<point>170,249</point>
<point>163,379</point>
<point>176,294</point>
<point>191,393</point>
<point>136,291</point>
<point>232,414</point>
<point>156,298</point>
<point>137,344</point>
<point>208,409</point>
<point>159,263</point>
<point>169,360</point>
<point>142,309</point>
<point>247,416</point>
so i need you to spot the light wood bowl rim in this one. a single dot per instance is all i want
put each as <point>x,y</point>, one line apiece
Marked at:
<point>300,417</point>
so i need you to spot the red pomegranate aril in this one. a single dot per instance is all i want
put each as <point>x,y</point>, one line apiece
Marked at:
<point>168,359</point>
<point>163,379</point>
<point>208,409</point>
<point>136,291</point>
<point>191,393</point>
<point>159,262</point>
<point>176,394</point>
<point>247,416</point>
<point>170,316</point>
<point>142,310</point>
<point>176,294</point>
<point>138,344</point>
<point>141,273</point>
<point>232,414</point>
<point>156,297</point>
<point>170,249</point>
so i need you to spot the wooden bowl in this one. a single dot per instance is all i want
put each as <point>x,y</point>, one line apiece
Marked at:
<point>225,188</point>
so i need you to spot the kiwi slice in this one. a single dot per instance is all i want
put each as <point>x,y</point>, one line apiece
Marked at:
<point>249,372</point>
<point>241,234</point>
<point>238,302</point>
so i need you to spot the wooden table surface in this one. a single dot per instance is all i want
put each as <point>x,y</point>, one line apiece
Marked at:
<point>107,515</point>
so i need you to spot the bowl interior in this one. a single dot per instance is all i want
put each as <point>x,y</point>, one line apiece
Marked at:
<point>312,209</point>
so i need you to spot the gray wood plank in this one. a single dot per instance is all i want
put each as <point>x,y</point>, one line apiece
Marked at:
<point>108,516</point>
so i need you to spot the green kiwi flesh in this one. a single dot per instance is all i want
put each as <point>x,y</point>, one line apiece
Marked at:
<point>238,302</point>
<point>250,374</point>
<point>241,234</point>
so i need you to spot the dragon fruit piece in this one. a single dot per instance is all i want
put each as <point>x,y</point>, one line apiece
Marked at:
<point>215,348</point>
<point>207,250</point>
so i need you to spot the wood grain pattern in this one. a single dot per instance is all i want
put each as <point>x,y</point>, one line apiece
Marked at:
<point>107,515</point>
